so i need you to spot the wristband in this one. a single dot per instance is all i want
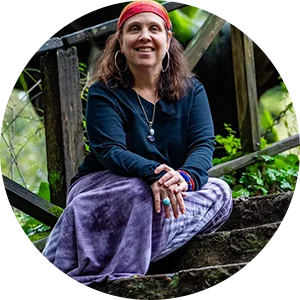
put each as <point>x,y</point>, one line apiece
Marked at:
<point>189,180</point>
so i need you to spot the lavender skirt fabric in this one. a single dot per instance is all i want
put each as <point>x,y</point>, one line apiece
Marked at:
<point>110,230</point>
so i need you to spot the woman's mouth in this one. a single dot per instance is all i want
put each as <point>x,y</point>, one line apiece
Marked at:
<point>144,49</point>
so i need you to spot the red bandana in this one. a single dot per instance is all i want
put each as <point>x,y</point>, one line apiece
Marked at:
<point>141,6</point>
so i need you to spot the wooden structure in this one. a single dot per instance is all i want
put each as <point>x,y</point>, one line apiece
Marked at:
<point>63,110</point>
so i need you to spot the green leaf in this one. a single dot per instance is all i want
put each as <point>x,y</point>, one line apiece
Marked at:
<point>23,82</point>
<point>285,185</point>
<point>280,162</point>
<point>216,161</point>
<point>240,193</point>
<point>263,143</point>
<point>293,172</point>
<point>44,191</point>
<point>261,188</point>
<point>267,158</point>
<point>257,179</point>
<point>229,179</point>
<point>272,174</point>
<point>292,159</point>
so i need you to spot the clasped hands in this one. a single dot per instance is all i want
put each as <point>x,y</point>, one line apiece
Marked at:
<point>172,186</point>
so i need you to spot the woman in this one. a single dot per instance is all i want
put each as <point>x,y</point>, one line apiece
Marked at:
<point>143,191</point>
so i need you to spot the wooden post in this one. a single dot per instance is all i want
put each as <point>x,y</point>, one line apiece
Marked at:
<point>202,40</point>
<point>246,91</point>
<point>63,119</point>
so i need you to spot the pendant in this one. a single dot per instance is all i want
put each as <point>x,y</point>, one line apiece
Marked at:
<point>151,138</point>
<point>151,131</point>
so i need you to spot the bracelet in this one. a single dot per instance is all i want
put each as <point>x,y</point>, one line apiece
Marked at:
<point>189,180</point>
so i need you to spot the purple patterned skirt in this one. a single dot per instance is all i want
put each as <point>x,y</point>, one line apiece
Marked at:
<point>110,230</point>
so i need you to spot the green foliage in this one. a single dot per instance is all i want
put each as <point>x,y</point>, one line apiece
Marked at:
<point>271,174</point>
<point>44,191</point>
<point>38,236</point>
<point>30,225</point>
<point>230,144</point>
<point>283,86</point>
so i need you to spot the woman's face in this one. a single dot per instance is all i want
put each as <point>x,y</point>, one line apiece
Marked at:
<point>145,41</point>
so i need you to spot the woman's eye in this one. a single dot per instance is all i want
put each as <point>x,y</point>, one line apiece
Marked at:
<point>134,28</point>
<point>154,28</point>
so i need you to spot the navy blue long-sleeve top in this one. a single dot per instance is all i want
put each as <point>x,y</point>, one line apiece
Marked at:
<point>117,132</point>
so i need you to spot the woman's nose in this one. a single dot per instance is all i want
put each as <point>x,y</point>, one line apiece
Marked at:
<point>145,36</point>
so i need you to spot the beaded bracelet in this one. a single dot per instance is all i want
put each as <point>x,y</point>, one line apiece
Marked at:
<point>189,180</point>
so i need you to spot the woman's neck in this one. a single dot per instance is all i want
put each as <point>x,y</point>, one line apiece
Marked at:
<point>146,86</point>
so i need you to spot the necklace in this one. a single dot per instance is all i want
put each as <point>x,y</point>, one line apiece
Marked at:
<point>151,131</point>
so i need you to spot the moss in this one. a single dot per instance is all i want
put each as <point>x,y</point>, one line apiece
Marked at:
<point>55,210</point>
<point>175,281</point>
<point>55,180</point>
<point>38,236</point>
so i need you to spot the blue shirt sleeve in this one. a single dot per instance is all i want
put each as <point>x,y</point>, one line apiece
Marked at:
<point>107,137</point>
<point>200,138</point>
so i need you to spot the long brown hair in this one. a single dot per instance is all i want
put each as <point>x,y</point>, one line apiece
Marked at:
<point>172,84</point>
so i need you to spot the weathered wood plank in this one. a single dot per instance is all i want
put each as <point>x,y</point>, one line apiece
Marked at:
<point>63,120</point>
<point>89,33</point>
<point>31,204</point>
<point>245,87</point>
<point>252,92</point>
<point>243,161</point>
<point>201,41</point>
<point>41,244</point>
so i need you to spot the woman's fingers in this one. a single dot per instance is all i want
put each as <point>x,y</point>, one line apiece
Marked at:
<point>156,190</point>
<point>162,167</point>
<point>174,205</point>
<point>160,193</point>
<point>176,200</point>
<point>165,178</point>
<point>180,203</point>
<point>170,178</point>
<point>182,187</point>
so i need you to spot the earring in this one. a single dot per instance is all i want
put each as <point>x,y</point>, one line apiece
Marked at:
<point>116,64</point>
<point>168,63</point>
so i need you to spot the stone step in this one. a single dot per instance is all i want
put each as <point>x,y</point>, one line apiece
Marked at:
<point>182,283</point>
<point>249,212</point>
<point>219,248</point>
<point>257,211</point>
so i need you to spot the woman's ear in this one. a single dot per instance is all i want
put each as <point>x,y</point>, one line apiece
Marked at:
<point>169,36</point>
<point>119,37</point>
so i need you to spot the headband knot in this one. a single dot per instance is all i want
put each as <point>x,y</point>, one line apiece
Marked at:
<point>141,6</point>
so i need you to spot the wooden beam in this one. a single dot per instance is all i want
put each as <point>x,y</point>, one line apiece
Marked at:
<point>63,120</point>
<point>31,204</point>
<point>201,41</point>
<point>249,159</point>
<point>246,90</point>
<point>41,244</point>
<point>89,33</point>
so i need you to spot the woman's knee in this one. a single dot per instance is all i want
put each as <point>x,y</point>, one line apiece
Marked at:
<point>221,188</point>
<point>138,188</point>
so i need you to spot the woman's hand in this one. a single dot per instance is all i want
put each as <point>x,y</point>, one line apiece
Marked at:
<point>160,192</point>
<point>172,179</point>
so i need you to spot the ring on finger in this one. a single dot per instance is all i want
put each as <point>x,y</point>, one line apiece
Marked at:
<point>166,202</point>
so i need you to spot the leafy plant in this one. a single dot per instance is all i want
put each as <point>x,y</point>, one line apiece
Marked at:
<point>230,143</point>
<point>272,174</point>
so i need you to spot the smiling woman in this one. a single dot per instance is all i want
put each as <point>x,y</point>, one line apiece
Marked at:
<point>145,41</point>
<point>143,191</point>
